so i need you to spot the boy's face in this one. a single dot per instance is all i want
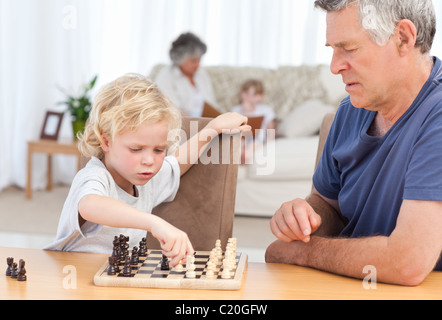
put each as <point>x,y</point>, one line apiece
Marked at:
<point>251,98</point>
<point>136,157</point>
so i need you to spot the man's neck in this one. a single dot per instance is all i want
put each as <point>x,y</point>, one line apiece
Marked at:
<point>386,117</point>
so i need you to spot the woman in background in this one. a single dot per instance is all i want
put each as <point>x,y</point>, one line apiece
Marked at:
<point>184,82</point>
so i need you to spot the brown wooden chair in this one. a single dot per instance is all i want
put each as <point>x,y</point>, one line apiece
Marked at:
<point>205,202</point>
<point>331,226</point>
<point>323,134</point>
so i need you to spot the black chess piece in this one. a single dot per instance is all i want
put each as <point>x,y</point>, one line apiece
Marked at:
<point>134,260</point>
<point>115,253</point>
<point>164,263</point>
<point>21,274</point>
<point>127,269</point>
<point>14,272</point>
<point>142,252</point>
<point>9,261</point>
<point>122,252</point>
<point>111,270</point>
<point>116,264</point>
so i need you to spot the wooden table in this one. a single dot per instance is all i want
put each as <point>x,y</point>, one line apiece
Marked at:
<point>49,147</point>
<point>50,276</point>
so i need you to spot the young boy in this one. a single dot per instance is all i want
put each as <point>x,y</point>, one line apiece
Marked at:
<point>252,96</point>
<point>127,138</point>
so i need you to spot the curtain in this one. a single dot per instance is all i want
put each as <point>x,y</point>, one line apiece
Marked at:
<point>49,43</point>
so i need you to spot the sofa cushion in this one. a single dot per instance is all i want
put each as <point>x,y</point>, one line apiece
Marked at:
<point>284,159</point>
<point>305,120</point>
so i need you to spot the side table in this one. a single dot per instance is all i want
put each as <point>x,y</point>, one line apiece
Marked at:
<point>49,147</point>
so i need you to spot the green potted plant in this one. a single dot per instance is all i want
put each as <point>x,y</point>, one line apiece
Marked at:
<point>79,107</point>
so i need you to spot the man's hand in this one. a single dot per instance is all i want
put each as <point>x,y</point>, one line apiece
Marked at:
<point>295,220</point>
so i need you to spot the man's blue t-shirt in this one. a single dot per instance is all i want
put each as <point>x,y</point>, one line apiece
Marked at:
<point>371,176</point>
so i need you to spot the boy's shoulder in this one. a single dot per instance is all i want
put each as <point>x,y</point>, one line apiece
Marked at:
<point>94,170</point>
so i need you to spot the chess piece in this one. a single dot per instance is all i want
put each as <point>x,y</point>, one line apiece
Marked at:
<point>190,266</point>
<point>127,269</point>
<point>115,263</point>
<point>115,253</point>
<point>9,261</point>
<point>210,274</point>
<point>179,267</point>
<point>164,263</point>
<point>116,242</point>
<point>21,274</point>
<point>226,274</point>
<point>211,267</point>
<point>134,258</point>
<point>111,270</point>
<point>121,252</point>
<point>210,264</point>
<point>124,246</point>
<point>143,248</point>
<point>14,272</point>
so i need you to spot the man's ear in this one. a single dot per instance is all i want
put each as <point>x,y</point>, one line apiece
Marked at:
<point>406,34</point>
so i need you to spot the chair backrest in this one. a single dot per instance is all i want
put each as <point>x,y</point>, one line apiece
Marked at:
<point>323,134</point>
<point>205,202</point>
<point>331,225</point>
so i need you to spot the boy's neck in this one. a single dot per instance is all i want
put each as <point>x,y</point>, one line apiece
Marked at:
<point>120,181</point>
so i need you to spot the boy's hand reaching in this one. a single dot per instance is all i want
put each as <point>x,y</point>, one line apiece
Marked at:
<point>174,242</point>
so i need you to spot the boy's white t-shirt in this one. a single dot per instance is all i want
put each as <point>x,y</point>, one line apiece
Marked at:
<point>96,179</point>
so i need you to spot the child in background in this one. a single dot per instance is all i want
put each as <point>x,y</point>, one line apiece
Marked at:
<point>130,173</point>
<point>252,96</point>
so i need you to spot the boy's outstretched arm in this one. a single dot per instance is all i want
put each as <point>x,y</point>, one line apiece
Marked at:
<point>113,213</point>
<point>188,153</point>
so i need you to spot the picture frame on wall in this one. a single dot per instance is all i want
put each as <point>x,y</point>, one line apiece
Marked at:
<point>51,125</point>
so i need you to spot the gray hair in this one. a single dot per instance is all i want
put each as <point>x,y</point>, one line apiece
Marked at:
<point>380,17</point>
<point>185,46</point>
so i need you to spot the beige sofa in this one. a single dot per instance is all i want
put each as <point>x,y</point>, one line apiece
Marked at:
<point>283,169</point>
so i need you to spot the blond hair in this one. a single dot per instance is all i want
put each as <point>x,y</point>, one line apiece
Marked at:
<point>121,107</point>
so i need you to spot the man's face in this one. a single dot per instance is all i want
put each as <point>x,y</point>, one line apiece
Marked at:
<point>369,71</point>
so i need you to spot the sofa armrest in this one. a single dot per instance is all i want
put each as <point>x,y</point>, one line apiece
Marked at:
<point>205,202</point>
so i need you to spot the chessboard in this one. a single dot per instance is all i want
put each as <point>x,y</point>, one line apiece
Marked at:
<point>210,270</point>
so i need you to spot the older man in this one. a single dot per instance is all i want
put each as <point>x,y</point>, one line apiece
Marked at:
<point>378,187</point>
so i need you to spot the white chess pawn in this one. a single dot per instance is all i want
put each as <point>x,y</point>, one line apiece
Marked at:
<point>190,266</point>
<point>212,255</point>
<point>226,274</point>
<point>179,267</point>
<point>218,247</point>
<point>210,274</point>
<point>211,265</point>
